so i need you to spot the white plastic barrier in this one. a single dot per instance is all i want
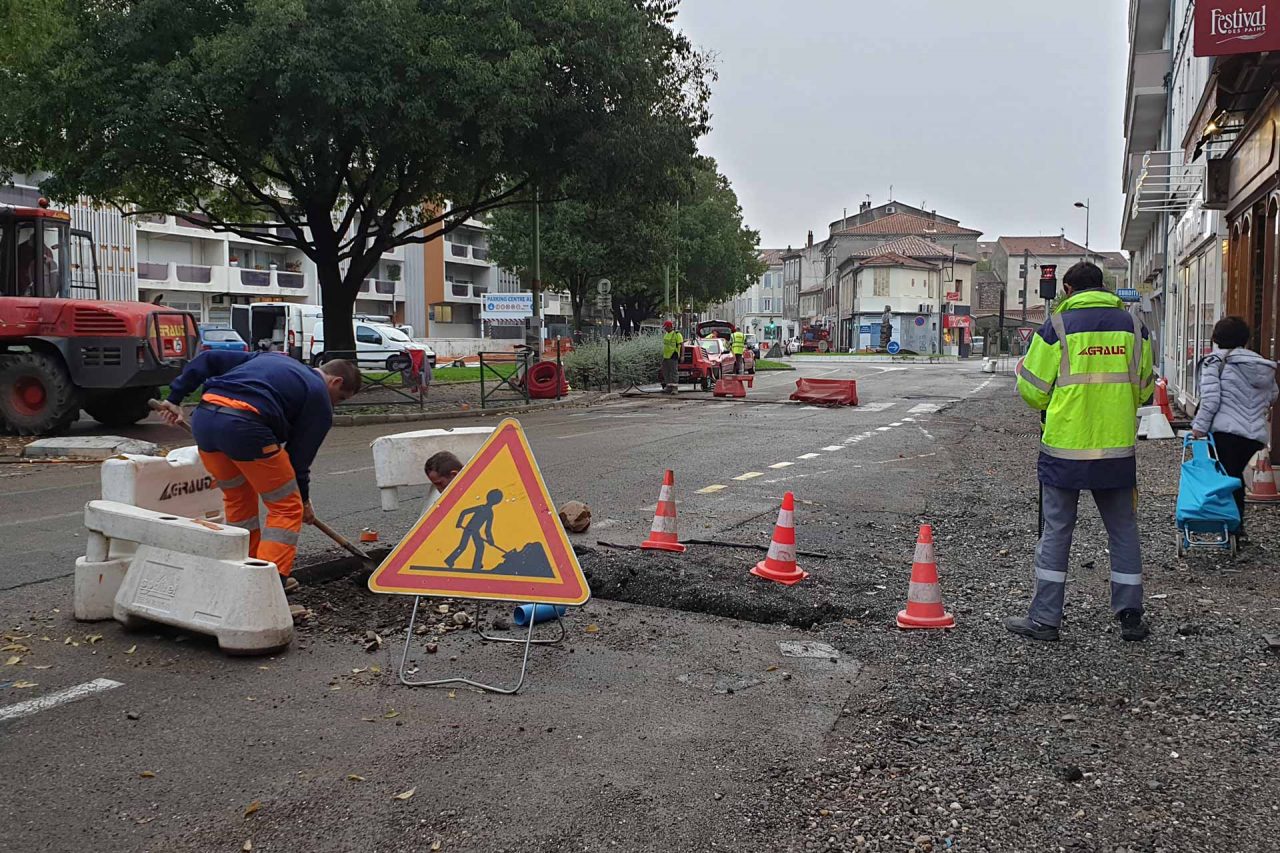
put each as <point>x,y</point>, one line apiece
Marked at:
<point>193,575</point>
<point>177,484</point>
<point>1155,426</point>
<point>112,540</point>
<point>398,459</point>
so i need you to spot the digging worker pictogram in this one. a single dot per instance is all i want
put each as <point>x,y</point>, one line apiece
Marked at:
<point>259,425</point>
<point>1089,369</point>
<point>476,523</point>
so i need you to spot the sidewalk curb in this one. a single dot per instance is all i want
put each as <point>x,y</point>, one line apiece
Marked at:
<point>412,417</point>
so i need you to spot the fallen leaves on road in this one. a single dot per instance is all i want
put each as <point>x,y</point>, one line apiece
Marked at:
<point>15,647</point>
<point>252,808</point>
<point>43,666</point>
<point>359,670</point>
<point>453,694</point>
<point>435,845</point>
<point>354,777</point>
<point>373,641</point>
<point>404,795</point>
<point>147,774</point>
<point>70,642</point>
<point>13,661</point>
<point>376,670</point>
<point>593,628</point>
<point>248,845</point>
<point>22,685</point>
<point>131,650</point>
<point>391,714</point>
<point>92,639</point>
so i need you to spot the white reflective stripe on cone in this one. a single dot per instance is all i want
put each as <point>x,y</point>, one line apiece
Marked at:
<point>664,494</point>
<point>924,593</point>
<point>786,518</point>
<point>924,552</point>
<point>782,553</point>
<point>663,524</point>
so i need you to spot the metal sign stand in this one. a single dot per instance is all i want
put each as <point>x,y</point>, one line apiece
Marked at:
<point>528,641</point>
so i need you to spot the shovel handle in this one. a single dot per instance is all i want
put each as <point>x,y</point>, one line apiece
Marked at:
<point>341,540</point>
<point>156,407</point>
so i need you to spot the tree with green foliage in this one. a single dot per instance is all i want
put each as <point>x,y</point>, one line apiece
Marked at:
<point>343,128</point>
<point>635,244</point>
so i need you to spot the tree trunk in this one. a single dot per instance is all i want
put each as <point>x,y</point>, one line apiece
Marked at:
<point>338,299</point>
<point>577,299</point>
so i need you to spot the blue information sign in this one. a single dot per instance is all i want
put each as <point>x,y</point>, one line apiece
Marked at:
<point>1128,294</point>
<point>894,347</point>
<point>865,330</point>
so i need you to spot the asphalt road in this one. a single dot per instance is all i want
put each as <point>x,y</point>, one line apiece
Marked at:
<point>649,729</point>
<point>611,456</point>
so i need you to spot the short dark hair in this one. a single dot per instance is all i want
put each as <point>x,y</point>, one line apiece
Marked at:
<point>346,371</point>
<point>443,463</point>
<point>1231,332</point>
<point>1083,276</point>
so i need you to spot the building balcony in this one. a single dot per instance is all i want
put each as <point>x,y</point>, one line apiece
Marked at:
<point>1148,20</point>
<point>381,289</point>
<point>465,254</point>
<point>159,223</point>
<point>1147,92</point>
<point>465,291</point>
<point>192,277</point>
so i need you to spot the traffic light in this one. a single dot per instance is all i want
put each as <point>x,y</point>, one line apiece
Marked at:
<point>1048,281</point>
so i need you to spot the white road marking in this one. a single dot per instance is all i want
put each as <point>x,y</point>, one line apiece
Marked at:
<point>833,447</point>
<point>782,465</point>
<point>53,700</point>
<point>348,471</point>
<point>750,475</point>
<point>925,408</point>
<point>808,455</point>
<point>709,490</point>
<point>42,518</point>
<point>575,434</point>
<point>877,406</point>
<point>883,429</point>
<point>899,423</point>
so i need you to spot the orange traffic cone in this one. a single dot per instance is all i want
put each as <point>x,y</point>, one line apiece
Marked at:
<point>1264,483</point>
<point>780,563</point>
<point>1162,398</point>
<point>662,535</point>
<point>924,599</point>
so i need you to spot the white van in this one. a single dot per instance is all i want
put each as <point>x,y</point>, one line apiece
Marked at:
<point>279,326</point>
<point>376,345</point>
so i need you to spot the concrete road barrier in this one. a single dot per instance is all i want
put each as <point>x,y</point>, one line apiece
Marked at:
<point>398,459</point>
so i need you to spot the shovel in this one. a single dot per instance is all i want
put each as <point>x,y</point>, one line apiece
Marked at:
<point>337,537</point>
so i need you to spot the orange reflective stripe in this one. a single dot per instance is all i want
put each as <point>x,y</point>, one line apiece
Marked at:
<point>219,400</point>
<point>240,502</point>
<point>268,477</point>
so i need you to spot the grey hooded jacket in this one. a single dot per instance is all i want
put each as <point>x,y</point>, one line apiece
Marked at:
<point>1237,388</point>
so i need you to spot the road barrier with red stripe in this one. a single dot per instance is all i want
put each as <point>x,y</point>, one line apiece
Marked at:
<point>826,392</point>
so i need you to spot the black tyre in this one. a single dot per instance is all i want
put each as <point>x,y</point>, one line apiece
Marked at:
<point>36,394</point>
<point>398,362</point>
<point>121,408</point>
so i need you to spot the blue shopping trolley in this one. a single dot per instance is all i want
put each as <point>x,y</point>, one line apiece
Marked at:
<point>1206,515</point>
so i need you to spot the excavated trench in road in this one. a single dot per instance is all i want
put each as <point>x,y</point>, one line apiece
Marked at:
<point>706,579</point>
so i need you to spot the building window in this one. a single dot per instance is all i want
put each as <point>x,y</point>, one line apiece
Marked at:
<point>881,284</point>
<point>442,313</point>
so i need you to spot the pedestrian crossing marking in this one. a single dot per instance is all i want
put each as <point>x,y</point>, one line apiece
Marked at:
<point>494,534</point>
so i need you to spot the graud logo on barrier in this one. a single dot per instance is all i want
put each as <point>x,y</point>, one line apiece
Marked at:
<point>186,487</point>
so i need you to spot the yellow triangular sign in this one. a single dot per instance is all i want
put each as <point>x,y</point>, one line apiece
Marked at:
<point>493,534</point>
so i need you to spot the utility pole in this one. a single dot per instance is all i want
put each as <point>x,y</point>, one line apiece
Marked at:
<point>1026,267</point>
<point>533,332</point>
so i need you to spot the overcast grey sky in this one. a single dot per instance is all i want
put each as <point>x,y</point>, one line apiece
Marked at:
<point>1000,113</point>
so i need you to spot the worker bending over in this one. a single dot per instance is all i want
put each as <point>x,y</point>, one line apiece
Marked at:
<point>259,425</point>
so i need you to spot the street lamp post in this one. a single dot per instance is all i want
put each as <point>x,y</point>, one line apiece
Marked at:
<point>1085,205</point>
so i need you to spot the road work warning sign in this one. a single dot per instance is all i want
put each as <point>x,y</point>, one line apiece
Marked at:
<point>493,534</point>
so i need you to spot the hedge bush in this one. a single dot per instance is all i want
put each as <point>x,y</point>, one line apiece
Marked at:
<point>635,362</point>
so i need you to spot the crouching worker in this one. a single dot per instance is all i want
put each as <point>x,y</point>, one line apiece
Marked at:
<point>440,469</point>
<point>259,424</point>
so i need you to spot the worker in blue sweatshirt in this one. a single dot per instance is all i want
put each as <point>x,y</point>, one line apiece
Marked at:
<point>259,424</point>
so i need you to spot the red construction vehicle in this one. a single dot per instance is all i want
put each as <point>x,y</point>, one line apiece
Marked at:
<point>60,354</point>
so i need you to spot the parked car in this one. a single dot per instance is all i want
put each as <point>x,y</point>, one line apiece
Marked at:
<point>220,337</point>
<point>753,344</point>
<point>791,346</point>
<point>717,351</point>
<point>377,346</point>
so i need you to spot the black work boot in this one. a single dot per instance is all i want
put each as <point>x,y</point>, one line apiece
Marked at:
<point>1132,628</point>
<point>1025,626</point>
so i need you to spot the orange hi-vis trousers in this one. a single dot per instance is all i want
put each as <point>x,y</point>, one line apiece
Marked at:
<point>248,464</point>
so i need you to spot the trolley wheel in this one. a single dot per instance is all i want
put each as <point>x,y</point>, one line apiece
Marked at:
<point>1235,547</point>
<point>1182,548</point>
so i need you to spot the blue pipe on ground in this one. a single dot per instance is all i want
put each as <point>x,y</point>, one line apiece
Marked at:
<point>538,612</point>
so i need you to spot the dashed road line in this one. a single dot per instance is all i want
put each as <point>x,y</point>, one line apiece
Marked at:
<point>896,424</point>
<point>711,490</point>
<point>883,429</point>
<point>831,448</point>
<point>808,455</point>
<point>750,475</point>
<point>782,465</point>
<point>53,700</point>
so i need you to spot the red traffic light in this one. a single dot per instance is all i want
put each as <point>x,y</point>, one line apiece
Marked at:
<point>1048,272</point>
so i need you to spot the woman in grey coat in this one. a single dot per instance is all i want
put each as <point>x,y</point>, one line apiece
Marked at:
<point>1237,388</point>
